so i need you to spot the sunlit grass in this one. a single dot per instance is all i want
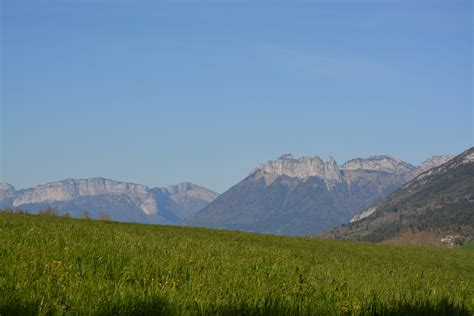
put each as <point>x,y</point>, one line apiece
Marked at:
<point>51,264</point>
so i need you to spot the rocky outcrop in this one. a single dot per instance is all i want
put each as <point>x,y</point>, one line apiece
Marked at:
<point>302,168</point>
<point>6,191</point>
<point>434,161</point>
<point>379,163</point>
<point>469,156</point>
<point>430,163</point>
<point>119,200</point>
<point>363,214</point>
<point>73,188</point>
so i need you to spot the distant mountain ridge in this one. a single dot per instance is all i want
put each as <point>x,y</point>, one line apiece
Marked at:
<point>379,163</point>
<point>438,201</point>
<point>284,196</point>
<point>119,200</point>
<point>302,196</point>
<point>301,168</point>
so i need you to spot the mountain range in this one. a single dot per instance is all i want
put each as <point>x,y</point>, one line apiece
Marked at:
<point>287,196</point>
<point>120,201</point>
<point>438,202</point>
<point>307,195</point>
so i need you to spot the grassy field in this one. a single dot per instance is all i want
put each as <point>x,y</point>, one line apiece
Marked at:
<point>62,265</point>
<point>468,245</point>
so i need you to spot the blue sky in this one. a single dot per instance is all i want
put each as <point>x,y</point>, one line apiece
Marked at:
<point>203,91</point>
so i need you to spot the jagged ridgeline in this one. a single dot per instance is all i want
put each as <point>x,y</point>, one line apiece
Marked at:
<point>119,201</point>
<point>439,201</point>
<point>307,195</point>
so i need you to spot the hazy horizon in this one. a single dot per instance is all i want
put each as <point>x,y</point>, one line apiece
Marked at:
<point>163,93</point>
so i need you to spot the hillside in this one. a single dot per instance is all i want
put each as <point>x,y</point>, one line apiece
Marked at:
<point>292,196</point>
<point>100,267</point>
<point>121,201</point>
<point>438,202</point>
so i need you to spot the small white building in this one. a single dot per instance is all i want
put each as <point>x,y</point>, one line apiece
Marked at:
<point>447,238</point>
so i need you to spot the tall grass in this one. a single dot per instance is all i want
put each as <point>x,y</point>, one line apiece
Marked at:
<point>468,245</point>
<point>64,265</point>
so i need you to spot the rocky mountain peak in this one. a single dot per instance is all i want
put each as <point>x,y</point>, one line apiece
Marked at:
<point>302,168</point>
<point>73,188</point>
<point>434,161</point>
<point>379,163</point>
<point>332,169</point>
<point>6,190</point>
<point>188,190</point>
<point>181,187</point>
<point>331,163</point>
<point>6,187</point>
<point>468,155</point>
<point>286,157</point>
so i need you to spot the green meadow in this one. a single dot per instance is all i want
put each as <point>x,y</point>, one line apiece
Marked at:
<point>53,265</point>
<point>469,245</point>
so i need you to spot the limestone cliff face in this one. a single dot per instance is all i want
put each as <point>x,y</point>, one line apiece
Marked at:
<point>73,188</point>
<point>6,190</point>
<point>302,168</point>
<point>379,163</point>
<point>329,170</point>
<point>394,165</point>
<point>97,195</point>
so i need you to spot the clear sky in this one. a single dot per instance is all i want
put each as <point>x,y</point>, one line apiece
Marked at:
<point>203,91</point>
